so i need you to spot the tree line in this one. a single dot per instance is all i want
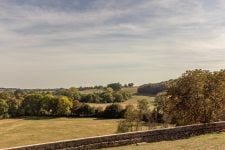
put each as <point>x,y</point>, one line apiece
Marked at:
<point>60,102</point>
<point>152,88</point>
<point>55,106</point>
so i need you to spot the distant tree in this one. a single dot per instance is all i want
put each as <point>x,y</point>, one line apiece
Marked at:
<point>106,97</point>
<point>86,110</point>
<point>90,98</point>
<point>19,93</point>
<point>113,111</point>
<point>132,117</point>
<point>13,107</point>
<point>152,88</point>
<point>132,120</point>
<point>6,95</point>
<point>143,108</point>
<point>48,105</point>
<point>75,93</point>
<point>159,112</point>
<point>99,112</point>
<point>75,108</point>
<point>64,106</point>
<point>130,84</point>
<point>71,93</point>
<point>126,95</point>
<point>31,105</point>
<point>115,86</point>
<point>3,108</point>
<point>118,97</point>
<point>143,105</point>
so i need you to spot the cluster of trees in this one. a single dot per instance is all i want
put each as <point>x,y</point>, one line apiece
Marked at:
<point>107,96</point>
<point>60,102</point>
<point>51,105</point>
<point>114,86</point>
<point>153,88</point>
<point>198,96</point>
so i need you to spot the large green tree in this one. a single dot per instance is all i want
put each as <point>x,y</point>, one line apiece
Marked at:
<point>197,96</point>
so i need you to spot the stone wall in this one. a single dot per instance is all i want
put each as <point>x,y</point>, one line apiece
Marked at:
<point>128,138</point>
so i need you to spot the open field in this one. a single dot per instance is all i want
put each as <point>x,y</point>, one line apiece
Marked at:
<point>203,142</point>
<point>17,132</point>
<point>132,101</point>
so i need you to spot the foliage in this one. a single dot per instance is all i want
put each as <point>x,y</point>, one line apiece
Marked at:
<point>160,108</point>
<point>152,88</point>
<point>71,93</point>
<point>31,105</point>
<point>90,98</point>
<point>64,106</point>
<point>115,86</point>
<point>13,105</point>
<point>197,96</point>
<point>108,96</point>
<point>85,110</point>
<point>3,108</point>
<point>113,111</point>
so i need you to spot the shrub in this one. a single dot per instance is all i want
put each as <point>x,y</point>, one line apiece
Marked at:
<point>113,111</point>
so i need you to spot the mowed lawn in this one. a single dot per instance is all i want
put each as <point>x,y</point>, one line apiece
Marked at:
<point>17,132</point>
<point>214,141</point>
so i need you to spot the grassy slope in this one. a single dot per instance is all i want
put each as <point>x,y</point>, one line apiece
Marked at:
<point>203,142</point>
<point>16,132</point>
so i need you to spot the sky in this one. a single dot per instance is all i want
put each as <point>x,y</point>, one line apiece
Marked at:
<point>63,43</point>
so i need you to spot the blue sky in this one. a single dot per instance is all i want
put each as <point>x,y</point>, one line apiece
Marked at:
<point>61,43</point>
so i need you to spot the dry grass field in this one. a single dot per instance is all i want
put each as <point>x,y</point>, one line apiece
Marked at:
<point>17,132</point>
<point>214,141</point>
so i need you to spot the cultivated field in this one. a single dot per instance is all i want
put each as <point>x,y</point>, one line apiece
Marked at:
<point>214,141</point>
<point>17,132</point>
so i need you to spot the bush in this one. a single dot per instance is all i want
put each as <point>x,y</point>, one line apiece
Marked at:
<point>118,97</point>
<point>99,112</point>
<point>31,105</point>
<point>123,126</point>
<point>90,98</point>
<point>85,110</point>
<point>152,88</point>
<point>113,111</point>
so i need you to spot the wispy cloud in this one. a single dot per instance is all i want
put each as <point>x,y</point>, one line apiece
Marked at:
<point>147,40</point>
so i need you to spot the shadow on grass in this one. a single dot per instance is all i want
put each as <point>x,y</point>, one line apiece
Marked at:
<point>106,118</point>
<point>143,94</point>
<point>37,118</point>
